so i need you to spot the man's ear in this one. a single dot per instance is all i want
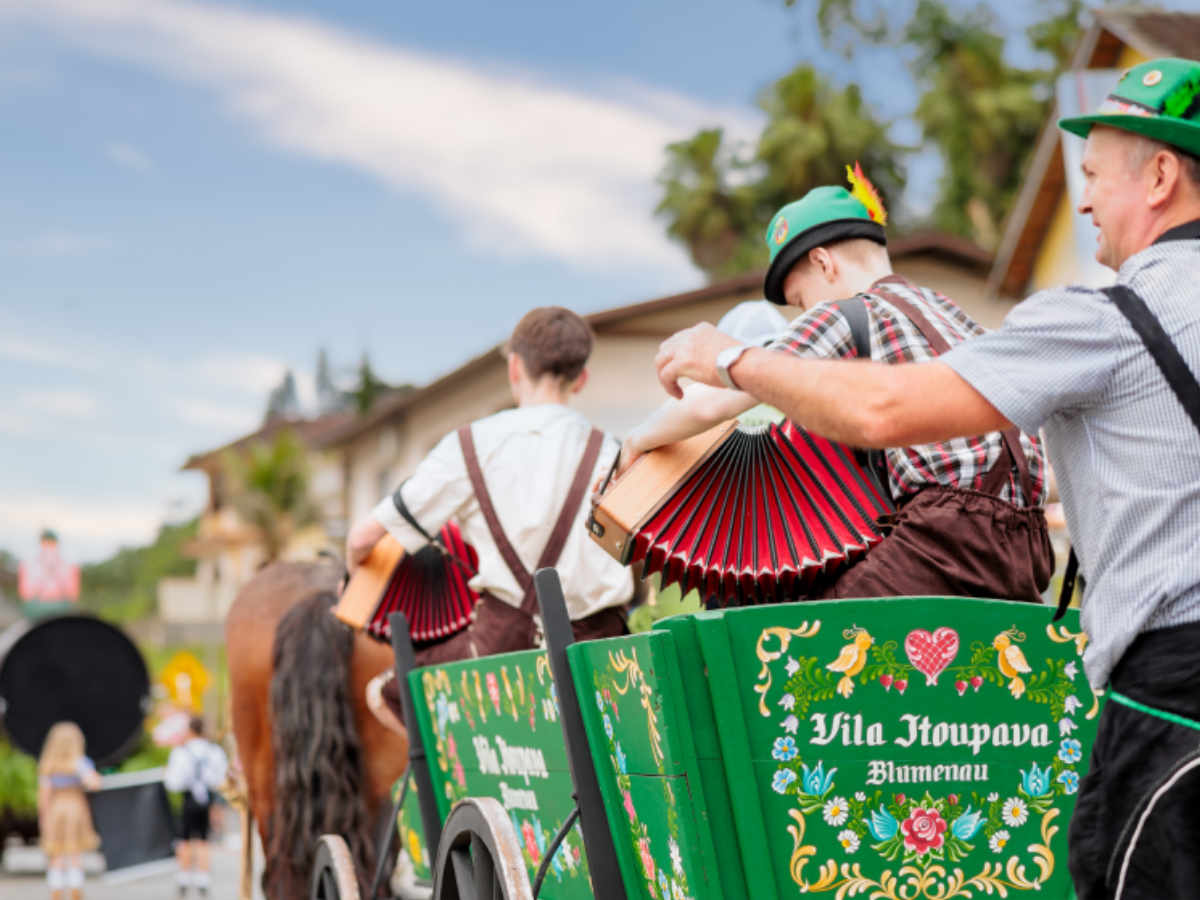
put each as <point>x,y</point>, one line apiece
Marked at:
<point>824,262</point>
<point>1166,174</point>
<point>579,382</point>
<point>516,369</point>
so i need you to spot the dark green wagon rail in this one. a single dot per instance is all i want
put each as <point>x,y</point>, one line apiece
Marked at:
<point>900,748</point>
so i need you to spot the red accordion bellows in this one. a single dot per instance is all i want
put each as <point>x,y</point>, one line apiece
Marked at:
<point>768,511</point>
<point>431,590</point>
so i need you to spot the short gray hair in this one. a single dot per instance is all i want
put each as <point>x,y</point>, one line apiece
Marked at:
<point>1144,149</point>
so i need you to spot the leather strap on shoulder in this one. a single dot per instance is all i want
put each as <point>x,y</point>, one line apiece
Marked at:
<point>566,517</point>
<point>467,441</point>
<point>937,343</point>
<point>859,320</point>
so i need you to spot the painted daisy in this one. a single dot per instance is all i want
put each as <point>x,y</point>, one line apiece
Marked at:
<point>677,891</point>
<point>1015,813</point>
<point>836,811</point>
<point>849,840</point>
<point>999,841</point>
<point>676,857</point>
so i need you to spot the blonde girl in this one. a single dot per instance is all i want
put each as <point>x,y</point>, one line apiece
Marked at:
<point>64,773</point>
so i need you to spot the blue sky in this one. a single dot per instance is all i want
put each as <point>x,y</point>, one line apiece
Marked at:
<point>195,196</point>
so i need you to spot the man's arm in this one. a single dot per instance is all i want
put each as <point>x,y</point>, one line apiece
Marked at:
<point>701,408</point>
<point>862,404</point>
<point>361,541</point>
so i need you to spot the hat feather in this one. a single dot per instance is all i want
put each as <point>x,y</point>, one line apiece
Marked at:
<point>865,193</point>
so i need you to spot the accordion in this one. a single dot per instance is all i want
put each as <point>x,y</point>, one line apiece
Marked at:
<point>430,587</point>
<point>743,514</point>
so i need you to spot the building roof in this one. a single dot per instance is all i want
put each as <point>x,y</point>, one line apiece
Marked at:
<point>1152,33</point>
<point>959,251</point>
<point>307,430</point>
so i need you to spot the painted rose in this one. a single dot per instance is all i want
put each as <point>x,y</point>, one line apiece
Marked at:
<point>493,687</point>
<point>647,860</point>
<point>923,830</point>
<point>629,806</point>
<point>459,775</point>
<point>530,842</point>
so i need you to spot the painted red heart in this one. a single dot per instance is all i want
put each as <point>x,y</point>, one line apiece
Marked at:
<point>931,653</point>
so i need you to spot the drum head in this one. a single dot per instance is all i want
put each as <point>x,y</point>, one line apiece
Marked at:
<point>77,669</point>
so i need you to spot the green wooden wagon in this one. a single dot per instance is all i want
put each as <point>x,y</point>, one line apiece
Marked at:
<point>899,748</point>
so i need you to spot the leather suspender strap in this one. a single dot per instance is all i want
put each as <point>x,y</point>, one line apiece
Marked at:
<point>859,320</point>
<point>1175,370</point>
<point>562,526</point>
<point>937,343</point>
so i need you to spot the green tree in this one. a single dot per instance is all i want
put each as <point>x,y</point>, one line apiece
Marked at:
<point>267,483</point>
<point>369,388</point>
<point>124,588</point>
<point>718,199</point>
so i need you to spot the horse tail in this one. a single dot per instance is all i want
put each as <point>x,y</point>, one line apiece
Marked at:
<point>320,781</point>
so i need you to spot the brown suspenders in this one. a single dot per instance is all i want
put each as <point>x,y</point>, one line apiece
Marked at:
<point>562,527</point>
<point>1011,452</point>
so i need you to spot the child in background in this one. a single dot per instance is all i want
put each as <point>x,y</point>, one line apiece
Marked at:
<point>64,773</point>
<point>197,769</point>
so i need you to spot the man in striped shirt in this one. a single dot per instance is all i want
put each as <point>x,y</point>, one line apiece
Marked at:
<point>969,521</point>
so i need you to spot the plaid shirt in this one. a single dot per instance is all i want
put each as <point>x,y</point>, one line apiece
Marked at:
<point>824,333</point>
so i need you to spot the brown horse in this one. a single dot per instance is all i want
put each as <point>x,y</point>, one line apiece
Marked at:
<point>316,760</point>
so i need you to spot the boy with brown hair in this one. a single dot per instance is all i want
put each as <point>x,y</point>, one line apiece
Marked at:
<point>515,482</point>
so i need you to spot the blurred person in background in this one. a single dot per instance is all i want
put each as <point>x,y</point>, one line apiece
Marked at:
<point>196,768</point>
<point>64,773</point>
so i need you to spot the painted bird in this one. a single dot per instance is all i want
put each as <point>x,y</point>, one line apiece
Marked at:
<point>1011,660</point>
<point>852,658</point>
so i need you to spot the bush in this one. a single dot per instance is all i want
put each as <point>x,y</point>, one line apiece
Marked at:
<point>18,782</point>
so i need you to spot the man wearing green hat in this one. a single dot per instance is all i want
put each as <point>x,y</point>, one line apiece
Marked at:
<point>969,521</point>
<point>1110,376</point>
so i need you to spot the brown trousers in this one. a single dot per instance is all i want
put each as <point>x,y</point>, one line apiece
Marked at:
<point>955,543</point>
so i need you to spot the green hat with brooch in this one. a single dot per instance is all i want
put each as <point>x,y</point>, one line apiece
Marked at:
<point>1158,99</point>
<point>824,216</point>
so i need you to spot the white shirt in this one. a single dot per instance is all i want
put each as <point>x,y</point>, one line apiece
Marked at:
<point>199,766</point>
<point>528,458</point>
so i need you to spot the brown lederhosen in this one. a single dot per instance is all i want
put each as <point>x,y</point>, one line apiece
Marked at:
<point>500,627</point>
<point>958,542</point>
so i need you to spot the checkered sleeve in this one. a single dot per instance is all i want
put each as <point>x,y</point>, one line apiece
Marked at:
<point>1057,350</point>
<point>822,332</point>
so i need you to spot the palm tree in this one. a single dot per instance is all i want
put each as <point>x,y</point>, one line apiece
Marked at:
<point>267,484</point>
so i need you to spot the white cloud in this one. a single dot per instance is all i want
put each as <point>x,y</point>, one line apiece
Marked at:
<point>521,165</point>
<point>64,403</point>
<point>54,245</point>
<point>129,157</point>
<point>96,527</point>
<point>220,415</point>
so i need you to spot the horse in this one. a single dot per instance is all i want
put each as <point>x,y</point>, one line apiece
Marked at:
<point>316,761</point>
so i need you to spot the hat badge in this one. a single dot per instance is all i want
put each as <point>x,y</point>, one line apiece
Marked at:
<point>1152,78</point>
<point>781,231</point>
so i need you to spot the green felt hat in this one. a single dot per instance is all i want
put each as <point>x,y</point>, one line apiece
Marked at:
<point>1158,99</point>
<point>824,216</point>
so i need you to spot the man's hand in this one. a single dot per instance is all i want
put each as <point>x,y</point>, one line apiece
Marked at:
<point>691,353</point>
<point>361,541</point>
<point>629,455</point>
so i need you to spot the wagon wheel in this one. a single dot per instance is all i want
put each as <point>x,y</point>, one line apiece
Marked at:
<point>333,875</point>
<point>479,857</point>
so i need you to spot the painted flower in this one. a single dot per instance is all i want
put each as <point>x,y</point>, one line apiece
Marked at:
<point>849,840</point>
<point>816,782</point>
<point>788,701</point>
<point>676,857</point>
<point>785,749</point>
<point>459,775</point>
<point>999,841</point>
<point>993,797</point>
<point>451,746</point>
<point>608,729</point>
<point>621,760</point>
<point>792,667</point>
<point>1036,782</point>
<point>493,688</point>
<point>782,779</point>
<point>1070,782</point>
<point>923,830</point>
<point>965,826</point>
<point>443,711</point>
<point>530,842</point>
<point>836,811</point>
<point>629,806</point>
<point>663,884</point>
<point>599,701</point>
<point>1071,670</point>
<point>1015,812</point>
<point>540,834</point>
<point>882,824</point>
<point>1071,751</point>
<point>647,859</point>
<point>860,796</point>
<point>1071,704</point>
<point>677,891</point>
<point>791,724</point>
<point>1065,727</point>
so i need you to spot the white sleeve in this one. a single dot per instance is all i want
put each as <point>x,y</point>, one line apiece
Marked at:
<point>179,771</point>
<point>436,492</point>
<point>216,767</point>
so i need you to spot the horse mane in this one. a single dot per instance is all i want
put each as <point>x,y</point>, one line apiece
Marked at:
<point>320,779</point>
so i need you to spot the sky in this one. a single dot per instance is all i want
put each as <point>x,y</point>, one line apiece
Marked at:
<point>196,196</point>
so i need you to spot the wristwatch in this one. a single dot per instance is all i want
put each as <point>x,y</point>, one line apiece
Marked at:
<point>725,361</point>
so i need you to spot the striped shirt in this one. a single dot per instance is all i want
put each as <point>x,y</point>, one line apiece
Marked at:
<point>1126,455</point>
<point>823,332</point>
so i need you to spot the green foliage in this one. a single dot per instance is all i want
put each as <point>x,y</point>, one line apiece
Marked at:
<point>125,587</point>
<point>369,388</point>
<point>18,781</point>
<point>718,199</point>
<point>268,486</point>
<point>667,603</point>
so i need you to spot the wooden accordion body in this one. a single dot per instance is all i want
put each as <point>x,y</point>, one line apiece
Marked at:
<point>743,514</point>
<point>431,589</point>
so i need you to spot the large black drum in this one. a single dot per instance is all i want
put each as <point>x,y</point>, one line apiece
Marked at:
<point>73,668</point>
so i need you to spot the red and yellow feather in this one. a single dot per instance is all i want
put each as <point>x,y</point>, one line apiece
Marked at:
<point>865,192</point>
